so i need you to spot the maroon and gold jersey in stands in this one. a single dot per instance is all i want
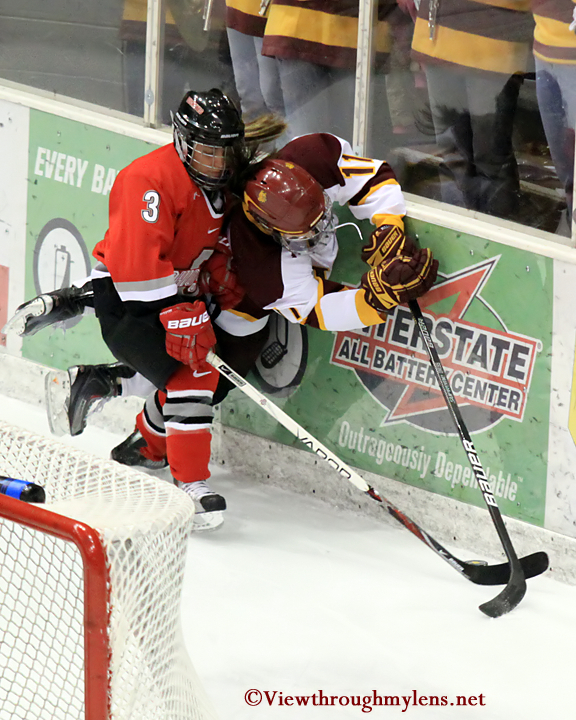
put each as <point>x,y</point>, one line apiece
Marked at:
<point>244,16</point>
<point>491,36</point>
<point>553,39</point>
<point>322,31</point>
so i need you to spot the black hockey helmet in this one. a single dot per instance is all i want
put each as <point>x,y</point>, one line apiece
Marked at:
<point>208,136</point>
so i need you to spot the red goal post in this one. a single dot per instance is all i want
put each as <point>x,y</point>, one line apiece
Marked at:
<point>96,614</point>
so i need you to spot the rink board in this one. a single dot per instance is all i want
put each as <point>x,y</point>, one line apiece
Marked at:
<point>500,312</point>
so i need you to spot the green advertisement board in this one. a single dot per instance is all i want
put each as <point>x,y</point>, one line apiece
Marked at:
<point>369,394</point>
<point>71,170</point>
<point>372,397</point>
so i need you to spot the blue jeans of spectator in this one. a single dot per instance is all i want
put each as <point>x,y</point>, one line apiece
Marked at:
<point>320,98</point>
<point>556,91</point>
<point>257,77</point>
<point>473,120</point>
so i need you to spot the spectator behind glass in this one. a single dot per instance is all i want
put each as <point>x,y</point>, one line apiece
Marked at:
<point>192,57</point>
<point>555,57</point>
<point>315,42</point>
<point>402,78</point>
<point>474,55</point>
<point>257,77</point>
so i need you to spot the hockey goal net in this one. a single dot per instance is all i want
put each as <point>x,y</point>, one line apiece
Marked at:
<point>90,589</point>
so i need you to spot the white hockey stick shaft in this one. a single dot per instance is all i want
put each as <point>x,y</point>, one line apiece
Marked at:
<point>481,574</point>
<point>291,425</point>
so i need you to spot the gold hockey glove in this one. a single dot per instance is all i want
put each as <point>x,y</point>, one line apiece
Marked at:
<point>386,242</point>
<point>400,279</point>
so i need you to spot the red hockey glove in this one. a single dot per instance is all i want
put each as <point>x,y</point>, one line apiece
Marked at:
<point>386,242</point>
<point>400,279</point>
<point>218,278</point>
<point>189,333</point>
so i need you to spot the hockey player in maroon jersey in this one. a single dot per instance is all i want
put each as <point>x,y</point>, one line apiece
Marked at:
<point>282,241</point>
<point>283,238</point>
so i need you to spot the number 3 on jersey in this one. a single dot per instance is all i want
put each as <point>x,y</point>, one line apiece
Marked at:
<point>152,200</point>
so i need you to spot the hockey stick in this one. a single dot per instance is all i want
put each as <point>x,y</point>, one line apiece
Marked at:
<point>477,572</point>
<point>515,589</point>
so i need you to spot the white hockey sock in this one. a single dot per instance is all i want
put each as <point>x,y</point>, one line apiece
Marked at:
<point>136,385</point>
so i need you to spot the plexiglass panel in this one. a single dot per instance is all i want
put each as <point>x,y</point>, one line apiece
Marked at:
<point>299,59</point>
<point>482,105</point>
<point>195,55</point>
<point>69,47</point>
<point>473,103</point>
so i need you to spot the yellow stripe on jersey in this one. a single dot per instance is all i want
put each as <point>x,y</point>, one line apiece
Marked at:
<point>318,307</point>
<point>368,316</point>
<point>381,219</point>
<point>469,50</point>
<point>319,27</point>
<point>244,315</point>
<point>313,26</point>
<point>250,7</point>
<point>553,33</point>
<point>390,181</point>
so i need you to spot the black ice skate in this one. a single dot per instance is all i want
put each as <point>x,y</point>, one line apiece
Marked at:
<point>128,453</point>
<point>71,395</point>
<point>58,306</point>
<point>209,505</point>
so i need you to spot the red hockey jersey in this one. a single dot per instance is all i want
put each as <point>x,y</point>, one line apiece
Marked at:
<point>162,228</point>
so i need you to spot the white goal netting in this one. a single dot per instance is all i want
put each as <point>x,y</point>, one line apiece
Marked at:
<point>54,593</point>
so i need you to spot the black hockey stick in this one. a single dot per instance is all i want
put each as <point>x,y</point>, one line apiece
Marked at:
<point>477,572</point>
<point>515,589</point>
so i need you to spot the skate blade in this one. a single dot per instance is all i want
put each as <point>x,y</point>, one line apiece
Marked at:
<point>57,386</point>
<point>204,521</point>
<point>17,323</point>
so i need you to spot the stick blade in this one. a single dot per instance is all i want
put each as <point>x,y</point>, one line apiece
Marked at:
<point>532,565</point>
<point>510,597</point>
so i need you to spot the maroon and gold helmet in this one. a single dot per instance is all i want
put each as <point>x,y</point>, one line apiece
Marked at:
<point>285,201</point>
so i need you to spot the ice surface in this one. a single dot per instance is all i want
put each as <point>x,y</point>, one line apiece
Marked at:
<point>294,597</point>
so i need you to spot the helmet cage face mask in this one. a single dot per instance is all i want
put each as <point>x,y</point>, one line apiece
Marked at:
<point>208,137</point>
<point>319,234</point>
<point>209,165</point>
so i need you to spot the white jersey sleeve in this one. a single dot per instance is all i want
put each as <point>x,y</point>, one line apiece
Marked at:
<point>305,294</point>
<point>380,197</point>
<point>367,185</point>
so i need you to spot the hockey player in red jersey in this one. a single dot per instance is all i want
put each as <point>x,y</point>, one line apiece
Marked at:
<point>166,211</point>
<point>281,234</point>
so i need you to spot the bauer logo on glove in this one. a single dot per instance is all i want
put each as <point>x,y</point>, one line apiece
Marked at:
<point>399,280</point>
<point>385,243</point>
<point>187,322</point>
<point>189,333</point>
